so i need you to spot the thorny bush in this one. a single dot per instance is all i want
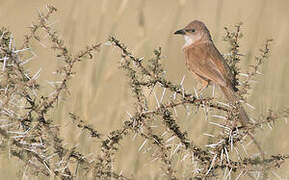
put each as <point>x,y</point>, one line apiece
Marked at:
<point>29,133</point>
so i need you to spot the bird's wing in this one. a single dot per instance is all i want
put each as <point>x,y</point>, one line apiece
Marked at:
<point>206,61</point>
<point>220,62</point>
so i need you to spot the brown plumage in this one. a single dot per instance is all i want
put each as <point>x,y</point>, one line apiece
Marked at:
<point>207,64</point>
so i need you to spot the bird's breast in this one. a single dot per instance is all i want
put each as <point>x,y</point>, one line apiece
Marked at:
<point>194,54</point>
<point>191,60</point>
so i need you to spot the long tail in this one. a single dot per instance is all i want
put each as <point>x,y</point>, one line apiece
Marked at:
<point>244,119</point>
<point>230,95</point>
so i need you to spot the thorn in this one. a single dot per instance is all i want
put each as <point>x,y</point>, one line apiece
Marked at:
<point>47,7</point>
<point>210,135</point>
<point>169,145</point>
<point>170,139</point>
<point>10,42</point>
<point>185,157</point>
<point>42,44</point>
<point>130,116</point>
<point>250,106</point>
<point>107,43</point>
<point>237,152</point>
<point>249,143</point>
<point>4,63</point>
<point>7,125</point>
<point>222,153</point>
<point>175,110</point>
<point>20,133</point>
<point>229,174</point>
<point>164,133</point>
<point>52,93</point>
<point>213,161</point>
<point>222,126</point>
<point>275,174</point>
<point>224,104</point>
<point>134,136</point>
<point>26,61</point>
<point>227,155</point>
<point>225,172</point>
<point>145,141</point>
<point>216,144</point>
<point>244,149</point>
<point>182,81</point>
<point>149,163</point>
<point>176,149</point>
<point>259,73</point>
<point>156,99</point>
<point>163,94</point>
<point>51,24</point>
<point>206,111</point>
<point>47,167</point>
<point>258,175</point>
<point>153,126</point>
<point>231,140</point>
<point>219,116</point>
<point>239,175</point>
<point>196,93</point>
<point>252,120</point>
<point>193,158</point>
<point>174,95</point>
<point>244,74</point>
<point>183,92</point>
<point>188,112</point>
<point>21,50</point>
<point>51,156</point>
<point>2,34</point>
<point>52,83</point>
<point>269,125</point>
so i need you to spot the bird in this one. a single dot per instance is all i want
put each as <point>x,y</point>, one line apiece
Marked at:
<point>207,64</point>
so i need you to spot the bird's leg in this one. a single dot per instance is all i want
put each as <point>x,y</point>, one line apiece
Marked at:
<point>213,91</point>
<point>204,85</point>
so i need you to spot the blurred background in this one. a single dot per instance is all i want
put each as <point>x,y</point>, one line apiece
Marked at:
<point>99,93</point>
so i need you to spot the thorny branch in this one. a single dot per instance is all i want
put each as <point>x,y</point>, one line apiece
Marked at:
<point>33,137</point>
<point>216,156</point>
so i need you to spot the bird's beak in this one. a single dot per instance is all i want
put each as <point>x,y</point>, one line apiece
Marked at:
<point>181,31</point>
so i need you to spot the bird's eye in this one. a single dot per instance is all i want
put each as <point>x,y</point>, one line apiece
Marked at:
<point>193,30</point>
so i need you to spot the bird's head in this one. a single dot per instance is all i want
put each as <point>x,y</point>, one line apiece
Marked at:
<point>194,33</point>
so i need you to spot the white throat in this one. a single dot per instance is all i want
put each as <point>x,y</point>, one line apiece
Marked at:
<point>188,41</point>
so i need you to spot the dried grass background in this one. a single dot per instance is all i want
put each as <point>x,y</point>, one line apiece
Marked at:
<point>99,93</point>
